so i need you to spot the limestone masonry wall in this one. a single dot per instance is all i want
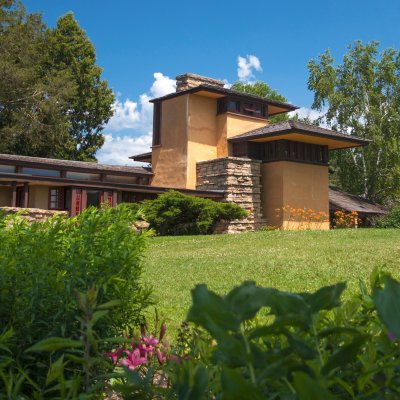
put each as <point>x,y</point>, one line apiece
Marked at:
<point>240,179</point>
<point>32,214</point>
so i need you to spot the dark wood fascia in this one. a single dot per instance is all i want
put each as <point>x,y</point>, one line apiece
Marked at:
<point>106,185</point>
<point>361,142</point>
<point>227,92</point>
<point>19,164</point>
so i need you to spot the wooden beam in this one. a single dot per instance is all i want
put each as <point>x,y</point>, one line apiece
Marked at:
<point>26,194</point>
<point>115,198</point>
<point>14,194</point>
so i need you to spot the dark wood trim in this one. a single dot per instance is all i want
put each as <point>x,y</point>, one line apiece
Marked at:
<point>228,92</point>
<point>112,186</point>
<point>14,194</point>
<point>19,164</point>
<point>157,118</point>
<point>26,194</point>
<point>223,107</point>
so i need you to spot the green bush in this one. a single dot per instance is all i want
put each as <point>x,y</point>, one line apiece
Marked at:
<point>390,220</point>
<point>263,343</point>
<point>44,265</point>
<point>175,213</point>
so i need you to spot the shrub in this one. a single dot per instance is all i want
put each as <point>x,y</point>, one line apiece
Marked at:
<point>262,343</point>
<point>390,220</point>
<point>175,213</point>
<point>44,265</point>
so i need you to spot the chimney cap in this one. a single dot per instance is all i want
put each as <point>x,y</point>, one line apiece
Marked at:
<point>188,81</point>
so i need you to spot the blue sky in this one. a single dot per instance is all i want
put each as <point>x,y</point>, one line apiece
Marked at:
<point>136,39</point>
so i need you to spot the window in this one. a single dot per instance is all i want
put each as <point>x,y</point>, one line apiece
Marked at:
<point>40,172</point>
<point>237,106</point>
<point>157,124</point>
<point>56,199</point>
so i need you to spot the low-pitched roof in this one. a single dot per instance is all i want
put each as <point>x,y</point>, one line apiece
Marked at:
<point>229,92</point>
<point>340,200</point>
<point>143,157</point>
<point>38,162</point>
<point>295,127</point>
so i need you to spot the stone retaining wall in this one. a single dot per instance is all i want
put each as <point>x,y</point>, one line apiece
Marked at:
<point>33,214</point>
<point>239,178</point>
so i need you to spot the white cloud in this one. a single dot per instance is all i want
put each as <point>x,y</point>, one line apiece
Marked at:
<point>304,112</point>
<point>118,149</point>
<point>246,67</point>
<point>136,116</point>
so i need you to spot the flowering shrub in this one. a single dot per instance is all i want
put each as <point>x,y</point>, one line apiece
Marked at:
<point>302,218</point>
<point>345,220</point>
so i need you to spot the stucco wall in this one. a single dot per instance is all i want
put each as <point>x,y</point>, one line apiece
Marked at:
<point>38,197</point>
<point>297,185</point>
<point>202,134</point>
<point>5,196</point>
<point>229,125</point>
<point>169,159</point>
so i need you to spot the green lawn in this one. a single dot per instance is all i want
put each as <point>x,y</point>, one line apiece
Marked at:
<point>294,261</point>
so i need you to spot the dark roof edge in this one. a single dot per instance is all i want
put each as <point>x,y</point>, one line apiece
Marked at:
<point>142,155</point>
<point>225,91</point>
<point>294,127</point>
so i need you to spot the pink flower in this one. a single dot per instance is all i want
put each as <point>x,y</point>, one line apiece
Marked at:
<point>134,359</point>
<point>148,344</point>
<point>115,355</point>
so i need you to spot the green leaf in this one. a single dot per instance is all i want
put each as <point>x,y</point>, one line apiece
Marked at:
<point>109,304</point>
<point>325,298</point>
<point>211,311</point>
<point>53,344</point>
<point>303,349</point>
<point>310,389</point>
<point>97,315</point>
<point>55,371</point>
<point>247,299</point>
<point>235,387</point>
<point>345,354</point>
<point>387,303</point>
<point>200,384</point>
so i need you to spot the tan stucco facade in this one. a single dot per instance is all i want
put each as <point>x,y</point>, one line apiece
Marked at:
<point>297,186</point>
<point>5,196</point>
<point>191,132</point>
<point>169,160</point>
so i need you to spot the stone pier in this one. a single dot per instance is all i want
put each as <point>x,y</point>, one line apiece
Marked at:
<point>239,178</point>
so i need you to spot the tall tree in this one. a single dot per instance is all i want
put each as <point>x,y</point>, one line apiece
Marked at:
<point>361,97</point>
<point>262,89</point>
<point>53,102</point>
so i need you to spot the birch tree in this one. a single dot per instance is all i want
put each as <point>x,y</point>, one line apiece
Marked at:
<point>361,97</point>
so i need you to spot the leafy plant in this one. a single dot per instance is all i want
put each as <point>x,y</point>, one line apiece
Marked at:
<point>390,220</point>
<point>43,266</point>
<point>175,213</point>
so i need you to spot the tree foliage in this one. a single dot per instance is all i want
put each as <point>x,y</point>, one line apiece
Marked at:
<point>53,102</point>
<point>262,89</point>
<point>361,97</point>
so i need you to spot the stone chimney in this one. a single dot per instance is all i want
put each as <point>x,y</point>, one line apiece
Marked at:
<point>187,81</point>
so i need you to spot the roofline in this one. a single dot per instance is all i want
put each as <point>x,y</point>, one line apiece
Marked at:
<point>22,178</point>
<point>294,129</point>
<point>224,91</point>
<point>48,163</point>
<point>142,155</point>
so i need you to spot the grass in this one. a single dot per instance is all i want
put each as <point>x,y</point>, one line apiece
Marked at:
<point>293,261</point>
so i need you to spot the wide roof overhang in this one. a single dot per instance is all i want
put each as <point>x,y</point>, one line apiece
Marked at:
<point>274,107</point>
<point>300,132</point>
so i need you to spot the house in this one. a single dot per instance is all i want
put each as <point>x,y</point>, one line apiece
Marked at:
<point>208,141</point>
